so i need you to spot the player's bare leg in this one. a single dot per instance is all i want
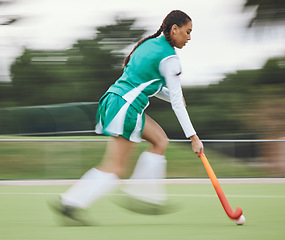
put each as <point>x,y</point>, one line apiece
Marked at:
<point>154,134</point>
<point>95,183</point>
<point>116,156</point>
<point>149,197</point>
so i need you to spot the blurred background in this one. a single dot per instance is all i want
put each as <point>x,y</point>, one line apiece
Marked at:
<point>57,58</point>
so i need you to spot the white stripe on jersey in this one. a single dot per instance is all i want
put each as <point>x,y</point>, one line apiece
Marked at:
<point>135,92</point>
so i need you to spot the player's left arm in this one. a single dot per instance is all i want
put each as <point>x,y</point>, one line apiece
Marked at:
<point>163,94</point>
<point>170,69</point>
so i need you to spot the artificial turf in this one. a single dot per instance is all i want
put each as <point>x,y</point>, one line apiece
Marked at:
<point>24,214</point>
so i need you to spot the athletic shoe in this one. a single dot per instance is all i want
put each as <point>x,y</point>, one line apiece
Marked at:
<point>76,215</point>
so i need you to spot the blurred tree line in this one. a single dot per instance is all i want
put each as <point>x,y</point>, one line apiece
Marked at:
<point>82,73</point>
<point>267,11</point>
<point>245,104</point>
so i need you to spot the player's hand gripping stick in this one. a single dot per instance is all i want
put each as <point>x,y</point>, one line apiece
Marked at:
<point>229,211</point>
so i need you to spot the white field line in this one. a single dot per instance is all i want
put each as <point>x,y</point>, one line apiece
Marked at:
<point>162,181</point>
<point>169,195</point>
<point>142,181</point>
<point>108,139</point>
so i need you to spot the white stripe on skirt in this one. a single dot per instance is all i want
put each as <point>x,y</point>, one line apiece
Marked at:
<point>116,126</point>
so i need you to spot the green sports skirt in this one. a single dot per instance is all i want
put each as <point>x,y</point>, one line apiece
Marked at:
<point>117,117</point>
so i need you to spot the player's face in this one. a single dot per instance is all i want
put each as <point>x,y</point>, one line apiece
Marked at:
<point>181,35</point>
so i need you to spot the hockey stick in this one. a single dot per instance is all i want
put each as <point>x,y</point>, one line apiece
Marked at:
<point>227,207</point>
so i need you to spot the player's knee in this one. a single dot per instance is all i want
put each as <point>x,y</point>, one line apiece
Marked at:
<point>162,144</point>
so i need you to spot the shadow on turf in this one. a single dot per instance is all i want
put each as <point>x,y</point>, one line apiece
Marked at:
<point>135,205</point>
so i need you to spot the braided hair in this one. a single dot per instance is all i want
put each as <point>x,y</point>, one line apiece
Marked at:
<point>174,17</point>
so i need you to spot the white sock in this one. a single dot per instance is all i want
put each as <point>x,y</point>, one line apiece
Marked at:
<point>150,167</point>
<point>92,185</point>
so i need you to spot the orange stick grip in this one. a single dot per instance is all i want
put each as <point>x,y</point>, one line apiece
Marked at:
<point>227,207</point>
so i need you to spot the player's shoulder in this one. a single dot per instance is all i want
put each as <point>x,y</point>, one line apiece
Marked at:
<point>158,47</point>
<point>158,42</point>
<point>170,63</point>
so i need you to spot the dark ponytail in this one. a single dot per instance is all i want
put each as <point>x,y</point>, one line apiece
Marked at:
<point>174,17</point>
<point>159,31</point>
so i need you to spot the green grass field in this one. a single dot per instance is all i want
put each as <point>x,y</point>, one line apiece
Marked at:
<point>24,214</point>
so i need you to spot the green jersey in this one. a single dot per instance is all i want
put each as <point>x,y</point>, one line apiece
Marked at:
<point>141,78</point>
